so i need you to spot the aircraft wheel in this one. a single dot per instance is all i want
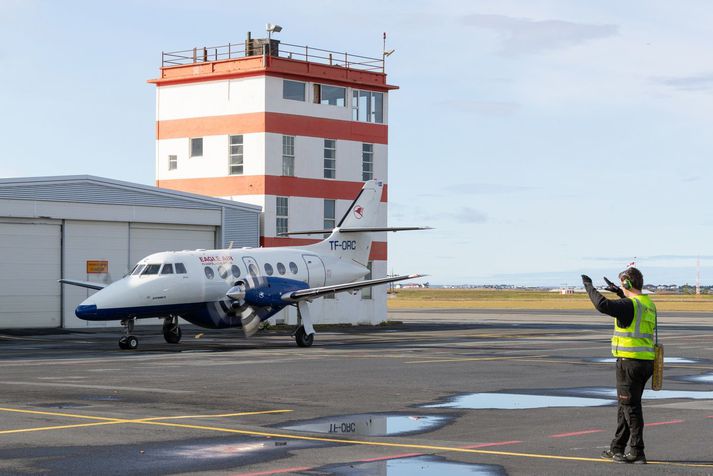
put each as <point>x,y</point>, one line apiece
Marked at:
<point>302,339</point>
<point>172,336</point>
<point>132,343</point>
<point>122,343</point>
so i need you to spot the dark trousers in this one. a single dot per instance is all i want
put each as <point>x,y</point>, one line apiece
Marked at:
<point>631,378</point>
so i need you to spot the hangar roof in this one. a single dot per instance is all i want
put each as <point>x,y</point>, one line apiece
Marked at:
<point>100,190</point>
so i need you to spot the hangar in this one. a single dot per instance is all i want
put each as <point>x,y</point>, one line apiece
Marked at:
<point>95,229</point>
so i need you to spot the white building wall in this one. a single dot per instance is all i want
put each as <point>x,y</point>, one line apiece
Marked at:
<point>210,98</point>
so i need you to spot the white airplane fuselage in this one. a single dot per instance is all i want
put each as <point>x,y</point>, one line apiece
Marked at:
<point>198,295</point>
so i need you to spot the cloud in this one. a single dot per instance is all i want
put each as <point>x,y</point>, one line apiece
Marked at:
<point>488,108</point>
<point>476,188</point>
<point>469,215</point>
<point>523,36</point>
<point>646,259</point>
<point>703,82</point>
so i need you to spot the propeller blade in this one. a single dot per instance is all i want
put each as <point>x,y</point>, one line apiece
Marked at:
<point>250,321</point>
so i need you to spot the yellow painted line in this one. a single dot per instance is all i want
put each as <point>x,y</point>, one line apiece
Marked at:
<point>472,359</point>
<point>68,415</point>
<point>62,427</point>
<point>408,445</point>
<point>223,415</point>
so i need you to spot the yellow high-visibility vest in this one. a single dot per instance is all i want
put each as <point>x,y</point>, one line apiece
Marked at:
<point>637,340</point>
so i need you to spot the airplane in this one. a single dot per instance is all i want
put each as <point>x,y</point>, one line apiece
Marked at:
<point>243,287</point>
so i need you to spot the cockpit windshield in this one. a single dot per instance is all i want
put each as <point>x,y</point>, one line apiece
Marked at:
<point>137,269</point>
<point>151,269</point>
<point>167,269</point>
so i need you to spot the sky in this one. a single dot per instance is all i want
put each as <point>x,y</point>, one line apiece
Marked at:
<point>542,139</point>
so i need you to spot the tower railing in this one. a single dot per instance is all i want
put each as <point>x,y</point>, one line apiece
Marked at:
<point>272,48</point>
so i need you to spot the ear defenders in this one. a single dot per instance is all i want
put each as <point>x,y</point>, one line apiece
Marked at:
<point>627,284</point>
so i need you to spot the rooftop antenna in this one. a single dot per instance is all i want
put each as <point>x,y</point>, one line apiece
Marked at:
<point>384,54</point>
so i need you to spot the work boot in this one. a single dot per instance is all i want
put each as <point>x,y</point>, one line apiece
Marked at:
<point>630,459</point>
<point>609,454</point>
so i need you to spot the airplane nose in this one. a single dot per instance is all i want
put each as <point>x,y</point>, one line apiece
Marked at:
<point>86,311</point>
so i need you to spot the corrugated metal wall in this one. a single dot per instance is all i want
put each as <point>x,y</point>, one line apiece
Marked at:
<point>241,227</point>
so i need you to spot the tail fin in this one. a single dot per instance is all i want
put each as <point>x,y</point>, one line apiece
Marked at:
<point>364,212</point>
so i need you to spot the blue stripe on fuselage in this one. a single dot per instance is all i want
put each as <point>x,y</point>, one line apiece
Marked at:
<point>203,314</point>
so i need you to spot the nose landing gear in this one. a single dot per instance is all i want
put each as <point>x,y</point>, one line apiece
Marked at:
<point>171,330</point>
<point>128,341</point>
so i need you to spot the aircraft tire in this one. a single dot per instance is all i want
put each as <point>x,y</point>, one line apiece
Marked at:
<point>132,343</point>
<point>172,337</point>
<point>302,339</point>
<point>122,344</point>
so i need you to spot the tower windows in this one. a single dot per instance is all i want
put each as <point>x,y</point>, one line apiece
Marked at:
<point>367,161</point>
<point>281,214</point>
<point>172,162</point>
<point>236,155</point>
<point>288,156</point>
<point>329,214</point>
<point>330,158</point>
<point>368,106</point>
<point>197,147</point>
<point>293,90</point>
<point>332,95</point>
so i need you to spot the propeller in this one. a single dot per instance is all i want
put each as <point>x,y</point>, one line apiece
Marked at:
<point>249,318</point>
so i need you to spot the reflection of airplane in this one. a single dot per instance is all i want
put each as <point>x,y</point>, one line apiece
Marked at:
<point>242,287</point>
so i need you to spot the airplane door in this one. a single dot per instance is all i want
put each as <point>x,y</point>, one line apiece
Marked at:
<point>253,270</point>
<point>315,270</point>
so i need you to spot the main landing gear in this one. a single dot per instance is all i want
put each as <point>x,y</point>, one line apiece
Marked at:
<point>171,330</point>
<point>302,338</point>
<point>128,341</point>
<point>304,335</point>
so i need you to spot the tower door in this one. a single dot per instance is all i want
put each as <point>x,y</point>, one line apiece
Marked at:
<point>315,270</point>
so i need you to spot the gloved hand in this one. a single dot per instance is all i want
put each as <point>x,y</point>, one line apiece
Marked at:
<point>586,279</point>
<point>613,288</point>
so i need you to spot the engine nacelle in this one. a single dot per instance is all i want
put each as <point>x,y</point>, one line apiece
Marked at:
<point>271,291</point>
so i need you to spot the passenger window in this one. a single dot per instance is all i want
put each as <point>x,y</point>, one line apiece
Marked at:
<point>137,269</point>
<point>167,269</point>
<point>280,268</point>
<point>151,269</point>
<point>293,267</point>
<point>180,269</point>
<point>268,269</point>
<point>235,270</point>
<point>209,272</point>
<point>223,272</point>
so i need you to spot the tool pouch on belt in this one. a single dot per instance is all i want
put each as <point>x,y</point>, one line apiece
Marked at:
<point>657,379</point>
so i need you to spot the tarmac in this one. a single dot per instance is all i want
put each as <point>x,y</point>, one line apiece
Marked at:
<point>447,392</point>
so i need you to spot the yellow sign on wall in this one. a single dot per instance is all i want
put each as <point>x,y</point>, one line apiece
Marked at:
<point>97,266</point>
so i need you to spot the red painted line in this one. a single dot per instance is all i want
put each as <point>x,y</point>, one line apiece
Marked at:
<point>659,423</point>
<point>485,445</point>
<point>277,471</point>
<point>382,458</point>
<point>575,433</point>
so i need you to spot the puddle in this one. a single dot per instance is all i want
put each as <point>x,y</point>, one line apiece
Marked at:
<point>416,465</point>
<point>667,360</point>
<point>223,451</point>
<point>705,378</point>
<point>516,401</point>
<point>371,424</point>
<point>101,398</point>
<point>60,405</point>
<point>650,394</point>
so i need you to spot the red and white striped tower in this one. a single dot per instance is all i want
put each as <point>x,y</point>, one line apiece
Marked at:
<point>291,128</point>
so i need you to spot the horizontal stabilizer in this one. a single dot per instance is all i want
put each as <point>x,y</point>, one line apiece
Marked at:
<point>312,293</point>
<point>83,284</point>
<point>356,230</point>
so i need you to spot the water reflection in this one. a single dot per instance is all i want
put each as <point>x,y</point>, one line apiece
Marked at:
<point>667,360</point>
<point>650,394</point>
<point>371,424</point>
<point>515,401</point>
<point>416,465</point>
<point>704,378</point>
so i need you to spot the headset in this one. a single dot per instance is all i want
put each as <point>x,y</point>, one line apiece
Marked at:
<point>627,284</point>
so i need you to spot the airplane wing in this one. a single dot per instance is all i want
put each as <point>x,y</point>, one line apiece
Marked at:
<point>83,284</point>
<point>312,293</point>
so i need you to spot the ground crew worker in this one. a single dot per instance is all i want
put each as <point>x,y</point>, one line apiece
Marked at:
<point>633,347</point>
